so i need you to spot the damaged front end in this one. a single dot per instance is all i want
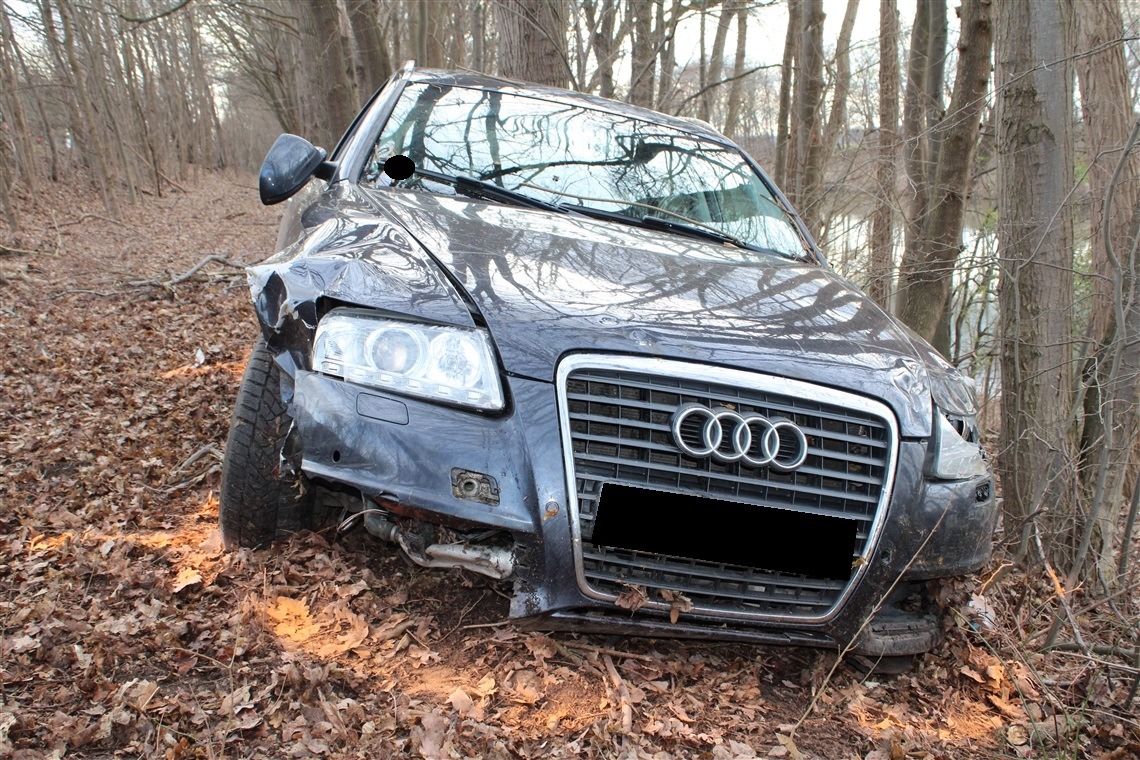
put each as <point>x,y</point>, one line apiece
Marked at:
<point>520,491</point>
<point>646,427</point>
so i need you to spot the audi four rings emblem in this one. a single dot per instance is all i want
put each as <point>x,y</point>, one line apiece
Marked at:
<point>728,436</point>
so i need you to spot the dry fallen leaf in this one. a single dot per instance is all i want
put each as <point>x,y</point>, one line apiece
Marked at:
<point>678,603</point>
<point>465,706</point>
<point>486,686</point>
<point>632,598</point>
<point>186,578</point>
<point>969,672</point>
<point>435,728</point>
<point>790,745</point>
<point>292,618</point>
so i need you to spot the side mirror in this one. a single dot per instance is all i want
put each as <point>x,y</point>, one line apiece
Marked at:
<point>287,167</point>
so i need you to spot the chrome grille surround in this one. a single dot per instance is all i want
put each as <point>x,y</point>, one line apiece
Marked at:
<point>790,599</point>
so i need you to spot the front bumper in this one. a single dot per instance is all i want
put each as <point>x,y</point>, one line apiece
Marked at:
<point>402,453</point>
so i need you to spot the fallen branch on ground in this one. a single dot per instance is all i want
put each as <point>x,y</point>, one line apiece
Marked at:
<point>189,273</point>
<point>9,250</point>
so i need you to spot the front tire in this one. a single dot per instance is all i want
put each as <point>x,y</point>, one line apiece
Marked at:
<point>259,501</point>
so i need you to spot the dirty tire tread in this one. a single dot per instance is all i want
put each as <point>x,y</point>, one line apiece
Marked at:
<point>257,505</point>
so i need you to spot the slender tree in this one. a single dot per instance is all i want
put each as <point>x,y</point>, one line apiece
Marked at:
<point>882,231</point>
<point>807,178</point>
<point>929,258</point>
<point>1112,372</point>
<point>784,133</point>
<point>1035,176</point>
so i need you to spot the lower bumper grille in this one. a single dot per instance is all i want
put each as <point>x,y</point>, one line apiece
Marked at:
<point>617,414</point>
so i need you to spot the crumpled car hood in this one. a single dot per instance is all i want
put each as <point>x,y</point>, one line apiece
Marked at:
<point>551,284</point>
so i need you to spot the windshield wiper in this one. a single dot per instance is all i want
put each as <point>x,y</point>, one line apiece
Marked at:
<point>477,188</point>
<point>668,225</point>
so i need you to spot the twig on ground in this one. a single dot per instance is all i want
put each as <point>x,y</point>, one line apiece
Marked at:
<point>185,275</point>
<point>612,652</point>
<point>1077,651</point>
<point>10,250</point>
<point>1062,596</point>
<point>623,695</point>
<point>204,451</point>
<point>85,217</point>
<point>173,184</point>
<point>80,291</point>
<point>472,626</point>
<point>1068,646</point>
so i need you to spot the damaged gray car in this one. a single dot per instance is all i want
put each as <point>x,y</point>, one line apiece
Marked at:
<point>591,349</point>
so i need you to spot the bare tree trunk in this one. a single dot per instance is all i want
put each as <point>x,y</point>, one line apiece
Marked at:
<point>807,184</point>
<point>12,103</point>
<point>45,123</point>
<point>429,52</point>
<point>478,36</point>
<point>337,86</point>
<point>1034,175</point>
<point>5,194</point>
<point>1111,419</point>
<point>927,266</point>
<point>643,54</point>
<point>914,142</point>
<point>837,119</point>
<point>94,148</point>
<point>532,41</point>
<point>668,58</point>
<point>787,69</point>
<point>716,61</point>
<point>601,16</point>
<point>736,91</point>
<point>371,48</point>
<point>882,227</point>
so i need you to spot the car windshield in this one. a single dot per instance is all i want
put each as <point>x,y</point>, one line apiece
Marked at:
<point>582,159</point>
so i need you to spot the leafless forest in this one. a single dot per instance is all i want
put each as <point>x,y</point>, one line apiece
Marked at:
<point>972,164</point>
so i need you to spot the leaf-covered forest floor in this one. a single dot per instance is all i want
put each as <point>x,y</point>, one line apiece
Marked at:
<point>127,630</point>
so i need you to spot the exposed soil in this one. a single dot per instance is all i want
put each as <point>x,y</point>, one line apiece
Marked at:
<point>128,630</point>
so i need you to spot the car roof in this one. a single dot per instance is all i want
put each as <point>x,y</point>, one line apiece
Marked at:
<point>569,97</point>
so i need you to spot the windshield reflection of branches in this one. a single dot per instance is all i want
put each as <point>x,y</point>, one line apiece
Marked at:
<point>612,161</point>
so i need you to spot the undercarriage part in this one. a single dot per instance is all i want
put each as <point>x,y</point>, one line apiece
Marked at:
<point>493,561</point>
<point>883,665</point>
<point>904,625</point>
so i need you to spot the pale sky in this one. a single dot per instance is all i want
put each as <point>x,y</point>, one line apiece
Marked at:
<point>769,26</point>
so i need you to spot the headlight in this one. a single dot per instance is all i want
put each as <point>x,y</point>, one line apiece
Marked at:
<point>953,457</point>
<point>450,364</point>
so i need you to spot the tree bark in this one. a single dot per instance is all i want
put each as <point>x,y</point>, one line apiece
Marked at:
<point>882,224</point>
<point>716,61</point>
<point>837,119</point>
<point>643,54</point>
<point>336,89</point>
<point>1111,420</point>
<point>927,266</point>
<point>808,176</point>
<point>12,102</point>
<point>371,49</point>
<point>667,64</point>
<point>1034,177</point>
<point>532,41</point>
<point>736,91</point>
<point>94,151</point>
<point>787,79</point>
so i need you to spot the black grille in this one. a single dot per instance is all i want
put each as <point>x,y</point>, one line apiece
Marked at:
<point>620,433</point>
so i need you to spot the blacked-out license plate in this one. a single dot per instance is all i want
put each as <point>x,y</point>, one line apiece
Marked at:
<point>714,530</point>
